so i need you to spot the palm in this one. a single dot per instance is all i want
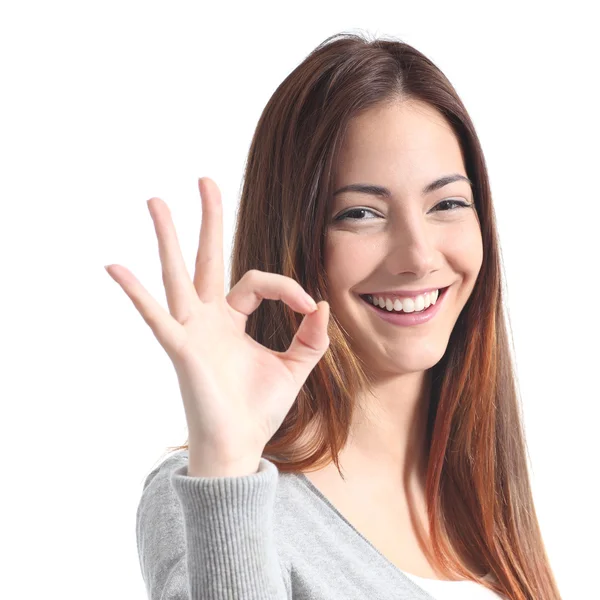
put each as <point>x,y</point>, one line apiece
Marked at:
<point>221,360</point>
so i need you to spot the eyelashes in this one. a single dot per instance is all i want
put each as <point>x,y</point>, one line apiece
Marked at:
<point>458,203</point>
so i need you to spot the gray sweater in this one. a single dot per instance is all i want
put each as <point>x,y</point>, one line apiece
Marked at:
<point>264,536</point>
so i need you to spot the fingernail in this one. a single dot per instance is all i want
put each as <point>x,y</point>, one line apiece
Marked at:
<point>311,303</point>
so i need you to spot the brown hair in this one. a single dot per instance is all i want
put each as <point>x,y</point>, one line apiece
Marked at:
<point>479,499</point>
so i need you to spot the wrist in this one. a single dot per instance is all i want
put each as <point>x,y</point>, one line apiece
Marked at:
<point>200,466</point>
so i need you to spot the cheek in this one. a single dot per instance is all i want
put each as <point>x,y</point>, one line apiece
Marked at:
<point>347,261</point>
<point>464,249</point>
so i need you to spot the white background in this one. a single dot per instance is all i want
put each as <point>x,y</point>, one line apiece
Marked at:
<point>107,104</point>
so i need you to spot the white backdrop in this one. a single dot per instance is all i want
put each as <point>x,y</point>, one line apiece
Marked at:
<point>107,104</point>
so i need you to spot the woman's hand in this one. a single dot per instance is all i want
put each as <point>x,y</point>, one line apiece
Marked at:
<point>236,393</point>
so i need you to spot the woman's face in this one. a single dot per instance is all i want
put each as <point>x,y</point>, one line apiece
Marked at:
<point>411,240</point>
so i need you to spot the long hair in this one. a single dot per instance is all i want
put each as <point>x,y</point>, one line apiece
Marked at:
<point>479,501</point>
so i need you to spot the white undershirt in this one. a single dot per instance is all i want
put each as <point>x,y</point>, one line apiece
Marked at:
<point>454,590</point>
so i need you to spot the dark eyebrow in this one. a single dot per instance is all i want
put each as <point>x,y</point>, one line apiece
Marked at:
<point>377,190</point>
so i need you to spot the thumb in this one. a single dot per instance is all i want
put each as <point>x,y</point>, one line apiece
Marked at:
<point>309,344</point>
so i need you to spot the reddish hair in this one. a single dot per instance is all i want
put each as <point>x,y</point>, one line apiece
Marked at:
<point>479,499</point>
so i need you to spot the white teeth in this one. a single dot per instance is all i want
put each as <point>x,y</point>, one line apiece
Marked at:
<point>408,305</point>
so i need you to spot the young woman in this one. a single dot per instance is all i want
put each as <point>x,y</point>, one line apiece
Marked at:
<point>371,446</point>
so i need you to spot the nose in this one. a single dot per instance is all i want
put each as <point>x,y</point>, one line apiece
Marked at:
<point>413,246</point>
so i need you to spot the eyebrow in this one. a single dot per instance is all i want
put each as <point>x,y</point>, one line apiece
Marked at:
<point>378,190</point>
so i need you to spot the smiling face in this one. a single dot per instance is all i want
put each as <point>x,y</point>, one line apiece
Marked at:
<point>412,239</point>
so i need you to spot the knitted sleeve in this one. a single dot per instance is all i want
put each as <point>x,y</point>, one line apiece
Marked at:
<point>209,538</point>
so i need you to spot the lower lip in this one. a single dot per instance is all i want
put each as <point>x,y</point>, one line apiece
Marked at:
<point>408,319</point>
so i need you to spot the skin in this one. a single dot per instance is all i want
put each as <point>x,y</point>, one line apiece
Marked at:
<point>404,242</point>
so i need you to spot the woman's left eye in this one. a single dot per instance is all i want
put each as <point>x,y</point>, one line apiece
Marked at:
<point>457,203</point>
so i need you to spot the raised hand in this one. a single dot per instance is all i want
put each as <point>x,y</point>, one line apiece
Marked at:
<point>236,392</point>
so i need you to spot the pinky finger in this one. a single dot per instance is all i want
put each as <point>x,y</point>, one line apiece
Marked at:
<point>169,333</point>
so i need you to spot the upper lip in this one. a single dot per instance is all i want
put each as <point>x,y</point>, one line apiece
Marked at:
<point>404,293</point>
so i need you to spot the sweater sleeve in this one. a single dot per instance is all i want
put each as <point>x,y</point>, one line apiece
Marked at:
<point>209,538</point>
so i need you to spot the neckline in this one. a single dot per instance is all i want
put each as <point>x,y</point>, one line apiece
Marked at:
<point>318,493</point>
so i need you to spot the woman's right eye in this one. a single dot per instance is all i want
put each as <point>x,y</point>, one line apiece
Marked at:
<point>345,215</point>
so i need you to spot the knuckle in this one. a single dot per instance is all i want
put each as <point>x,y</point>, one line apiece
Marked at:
<point>253,275</point>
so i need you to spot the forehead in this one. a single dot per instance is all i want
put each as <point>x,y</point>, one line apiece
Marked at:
<point>404,143</point>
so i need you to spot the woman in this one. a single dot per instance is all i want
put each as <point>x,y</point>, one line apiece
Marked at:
<point>378,452</point>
